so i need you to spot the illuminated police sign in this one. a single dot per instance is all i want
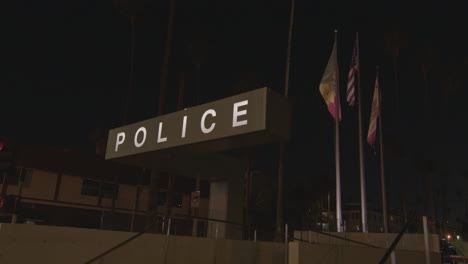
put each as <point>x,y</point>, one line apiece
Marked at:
<point>236,115</point>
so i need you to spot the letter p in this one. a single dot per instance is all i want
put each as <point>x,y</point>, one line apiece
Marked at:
<point>120,140</point>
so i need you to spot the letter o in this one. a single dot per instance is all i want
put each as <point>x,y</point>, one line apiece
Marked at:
<point>142,130</point>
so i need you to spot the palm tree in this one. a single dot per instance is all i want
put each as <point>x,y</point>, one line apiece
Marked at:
<point>198,52</point>
<point>250,82</point>
<point>130,9</point>
<point>396,40</point>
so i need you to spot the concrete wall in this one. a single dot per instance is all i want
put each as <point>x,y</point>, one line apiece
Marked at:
<point>305,253</point>
<point>42,185</point>
<point>50,245</point>
<point>407,242</point>
<point>53,245</point>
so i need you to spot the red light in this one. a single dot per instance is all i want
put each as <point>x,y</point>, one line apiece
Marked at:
<point>1,146</point>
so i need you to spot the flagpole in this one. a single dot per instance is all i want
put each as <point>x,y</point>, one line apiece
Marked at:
<point>337,143</point>
<point>382,175</point>
<point>361,150</point>
<point>282,149</point>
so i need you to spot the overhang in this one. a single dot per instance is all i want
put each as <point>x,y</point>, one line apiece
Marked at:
<point>194,141</point>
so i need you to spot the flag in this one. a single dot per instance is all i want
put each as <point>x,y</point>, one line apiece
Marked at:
<point>375,113</point>
<point>353,68</point>
<point>328,84</point>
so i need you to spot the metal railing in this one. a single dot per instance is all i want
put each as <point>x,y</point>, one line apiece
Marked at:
<point>454,259</point>
<point>169,226</point>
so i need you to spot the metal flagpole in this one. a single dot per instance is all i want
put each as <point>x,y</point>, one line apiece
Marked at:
<point>361,150</point>
<point>337,141</point>
<point>279,198</point>
<point>382,175</point>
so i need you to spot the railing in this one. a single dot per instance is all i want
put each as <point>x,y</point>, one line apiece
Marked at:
<point>204,227</point>
<point>337,237</point>
<point>457,259</point>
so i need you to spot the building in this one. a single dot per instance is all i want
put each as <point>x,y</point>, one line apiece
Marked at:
<point>67,188</point>
<point>352,221</point>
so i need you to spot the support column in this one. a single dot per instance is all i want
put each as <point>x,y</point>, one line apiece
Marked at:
<point>169,198</point>
<point>218,208</point>
<point>194,211</point>
<point>4,184</point>
<point>152,211</point>
<point>235,209</point>
<point>58,183</point>
<point>226,204</point>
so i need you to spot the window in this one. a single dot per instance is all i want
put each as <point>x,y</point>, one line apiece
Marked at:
<point>90,188</point>
<point>107,190</point>
<point>176,199</point>
<point>27,176</point>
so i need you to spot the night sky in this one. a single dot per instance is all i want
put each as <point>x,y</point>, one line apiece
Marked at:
<point>66,67</point>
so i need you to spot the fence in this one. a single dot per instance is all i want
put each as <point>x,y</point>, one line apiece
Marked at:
<point>381,240</point>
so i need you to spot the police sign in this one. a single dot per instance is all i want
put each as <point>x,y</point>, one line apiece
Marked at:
<point>236,115</point>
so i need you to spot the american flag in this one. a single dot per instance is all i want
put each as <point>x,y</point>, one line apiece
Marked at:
<point>353,68</point>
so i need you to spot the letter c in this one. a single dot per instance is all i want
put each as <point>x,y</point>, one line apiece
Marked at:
<point>202,123</point>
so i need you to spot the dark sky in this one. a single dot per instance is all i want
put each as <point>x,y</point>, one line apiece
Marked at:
<point>66,67</point>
